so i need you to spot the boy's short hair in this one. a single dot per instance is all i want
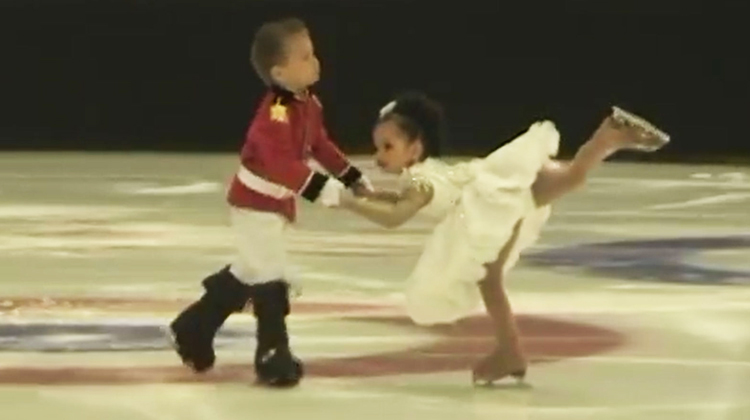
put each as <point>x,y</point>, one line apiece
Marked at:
<point>268,46</point>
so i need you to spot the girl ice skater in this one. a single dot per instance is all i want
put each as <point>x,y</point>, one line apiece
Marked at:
<point>487,211</point>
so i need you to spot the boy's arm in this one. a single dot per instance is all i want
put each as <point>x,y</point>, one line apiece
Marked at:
<point>325,151</point>
<point>270,155</point>
<point>391,214</point>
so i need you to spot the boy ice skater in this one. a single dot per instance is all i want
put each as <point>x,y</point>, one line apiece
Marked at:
<point>286,132</point>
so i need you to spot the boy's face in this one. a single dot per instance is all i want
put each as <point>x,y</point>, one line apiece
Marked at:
<point>301,69</point>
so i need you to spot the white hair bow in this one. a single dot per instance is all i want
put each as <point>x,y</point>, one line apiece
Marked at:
<point>387,109</point>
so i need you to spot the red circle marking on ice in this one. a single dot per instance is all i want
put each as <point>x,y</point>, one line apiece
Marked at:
<point>458,347</point>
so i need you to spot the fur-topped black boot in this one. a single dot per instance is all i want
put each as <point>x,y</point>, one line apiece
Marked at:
<point>275,365</point>
<point>193,331</point>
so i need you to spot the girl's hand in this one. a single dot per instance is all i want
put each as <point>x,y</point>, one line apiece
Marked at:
<point>347,199</point>
<point>363,188</point>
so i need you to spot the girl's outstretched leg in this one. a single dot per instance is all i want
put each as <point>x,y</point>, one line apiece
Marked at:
<point>619,131</point>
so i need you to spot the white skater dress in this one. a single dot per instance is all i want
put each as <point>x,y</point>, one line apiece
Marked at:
<point>477,205</point>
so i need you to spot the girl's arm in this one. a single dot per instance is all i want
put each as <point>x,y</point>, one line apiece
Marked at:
<point>390,209</point>
<point>380,195</point>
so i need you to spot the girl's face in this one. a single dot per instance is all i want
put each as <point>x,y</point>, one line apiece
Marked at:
<point>394,149</point>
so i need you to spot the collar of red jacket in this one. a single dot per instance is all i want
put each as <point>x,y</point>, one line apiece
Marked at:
<point>286,96</point>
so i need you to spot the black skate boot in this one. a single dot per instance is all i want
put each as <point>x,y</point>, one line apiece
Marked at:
<point>275,365</point>
<point>193,331</point>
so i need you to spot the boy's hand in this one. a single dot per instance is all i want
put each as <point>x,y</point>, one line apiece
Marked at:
<point>330,195</point>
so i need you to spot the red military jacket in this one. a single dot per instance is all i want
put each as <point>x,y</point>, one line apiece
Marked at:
<point>285,133</point>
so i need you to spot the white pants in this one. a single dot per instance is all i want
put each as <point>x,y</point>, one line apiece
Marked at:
<point>261,243</point>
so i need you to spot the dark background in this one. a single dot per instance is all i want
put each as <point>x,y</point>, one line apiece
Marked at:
<point>175,75</point>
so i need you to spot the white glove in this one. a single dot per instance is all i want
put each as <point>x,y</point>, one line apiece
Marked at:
<point>366,183</point>
<point>330,195</point>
